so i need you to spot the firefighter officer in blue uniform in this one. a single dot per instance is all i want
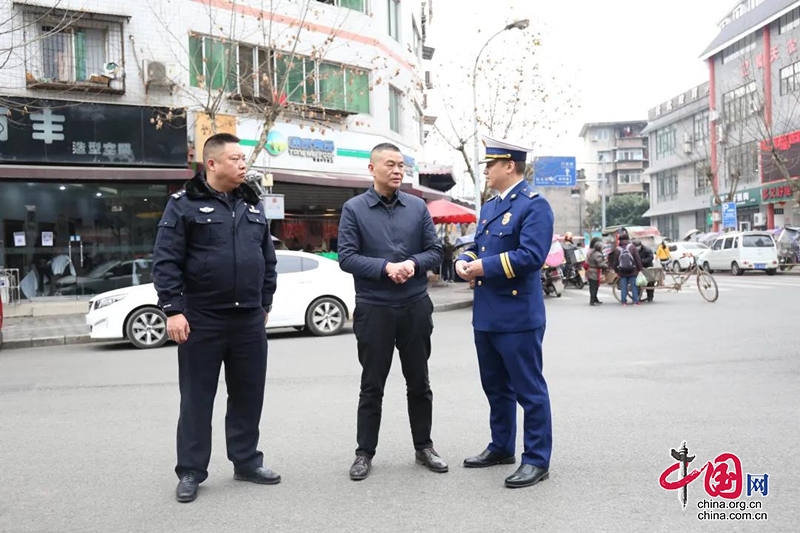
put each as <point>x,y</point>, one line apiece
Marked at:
<point>512,239</point>
<point>214,271</point>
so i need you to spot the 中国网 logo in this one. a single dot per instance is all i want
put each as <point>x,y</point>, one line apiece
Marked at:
<point>723,478</point>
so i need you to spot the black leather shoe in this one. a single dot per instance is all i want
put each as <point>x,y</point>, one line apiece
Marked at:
<point>187,488</point>
<point>361,467</point>
<point>526,475</point>
<point>261,475</point>
<point>489,458</point>
<point>429,458</point>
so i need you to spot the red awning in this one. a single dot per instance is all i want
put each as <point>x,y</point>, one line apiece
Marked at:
<point>444,212</point>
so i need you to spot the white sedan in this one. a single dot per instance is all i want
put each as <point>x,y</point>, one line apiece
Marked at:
<point>681,254</point>
<point>313,294</point>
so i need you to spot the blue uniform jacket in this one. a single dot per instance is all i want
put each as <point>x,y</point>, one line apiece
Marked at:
<point>512,238</point>
<point>210,256</point>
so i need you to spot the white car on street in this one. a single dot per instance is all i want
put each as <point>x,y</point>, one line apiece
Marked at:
<point>313,294</point>
<point>681,254</point>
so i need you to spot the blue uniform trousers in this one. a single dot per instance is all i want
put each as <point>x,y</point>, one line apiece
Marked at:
<point>237,338</point>
<point>511,373</point>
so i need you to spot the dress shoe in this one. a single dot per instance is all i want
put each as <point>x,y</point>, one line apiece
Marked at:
<point>187,488</point>
<point>361,467</point>
<point>527,475</point>
<point>261,475</point>
<point>429,458</point>
<point>489,458</point>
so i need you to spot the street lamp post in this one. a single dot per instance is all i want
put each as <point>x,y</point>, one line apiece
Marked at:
<point>602,180</point>
<point>519,25</point>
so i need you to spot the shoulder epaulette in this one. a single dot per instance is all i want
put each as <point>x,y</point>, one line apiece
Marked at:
<point>528,193</point>
<point>179,194</point>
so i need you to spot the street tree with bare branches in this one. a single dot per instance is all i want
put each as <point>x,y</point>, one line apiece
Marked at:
<point>268,60</point>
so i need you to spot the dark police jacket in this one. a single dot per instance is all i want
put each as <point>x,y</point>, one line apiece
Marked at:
<point>513,238</point>
<point>210,256</point>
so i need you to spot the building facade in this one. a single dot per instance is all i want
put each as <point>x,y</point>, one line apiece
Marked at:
<point>754,91</point>
<point>680,190</point>
<point>107,105</point>
<point>618,151</point>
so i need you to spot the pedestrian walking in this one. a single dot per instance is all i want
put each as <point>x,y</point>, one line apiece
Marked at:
<point>214,271</point>
<point>597,265</point>
<point>387,240</point>
<point>512,239</point>
<point>447,260</point>
<point>625,261</point>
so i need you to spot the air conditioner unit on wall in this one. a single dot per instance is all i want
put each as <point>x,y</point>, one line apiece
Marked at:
<point>160,74</point>
<point>721,133</point>
<point>759,219</point>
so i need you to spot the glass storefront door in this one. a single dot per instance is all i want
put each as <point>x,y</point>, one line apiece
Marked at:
<point>78,239</point>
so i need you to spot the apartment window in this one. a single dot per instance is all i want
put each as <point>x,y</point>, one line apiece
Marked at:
<point>701,185</point>
<point>255,72</point>
<point>666,185</point>
<point>82,53</point>
<point>668,226</point>
<point>790,78</point>
<point>605,155</point>
<point>740,103</point>
<point>355,5</point>
<point>394,19</point>
<point>212,63</point>
<point>417,44</point>
<point>665,142</point>
<point>629,177</point>
<point>789,21</point>
<point>701,127</point>
<point>600,135</point>
<point>742,160</point>
<point>395,108</point>
<point>630,155</point>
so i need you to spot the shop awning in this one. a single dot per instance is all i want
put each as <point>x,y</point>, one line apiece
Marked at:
<point>426,193</point>
<point>332,179</point>
<point>444,212</point>
<point>67,173</point>
<point>437,177</point>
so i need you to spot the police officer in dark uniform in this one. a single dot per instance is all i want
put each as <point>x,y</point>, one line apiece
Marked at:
<point>512,240</point>
<point>214,270</point>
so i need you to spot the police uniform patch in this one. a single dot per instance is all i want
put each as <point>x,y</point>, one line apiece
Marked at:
<point>206,209</point>
<point>506,218</point>
<point>179,194</point>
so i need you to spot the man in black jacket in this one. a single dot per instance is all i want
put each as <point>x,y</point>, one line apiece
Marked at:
<point>214,271</point>
<point>388,242</point>
<point>646,255</point>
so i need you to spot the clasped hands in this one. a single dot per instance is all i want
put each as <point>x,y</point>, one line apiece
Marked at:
<point>469,271</point>
<point>401,272</point>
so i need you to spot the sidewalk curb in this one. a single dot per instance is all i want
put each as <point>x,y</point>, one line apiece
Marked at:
<point>69,340</point>
<point>441,308</point>
<point>43,342</point>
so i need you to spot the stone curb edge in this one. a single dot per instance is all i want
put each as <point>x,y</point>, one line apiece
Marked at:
<point>62,340</point>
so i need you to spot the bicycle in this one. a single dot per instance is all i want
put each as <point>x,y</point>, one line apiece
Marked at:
<point>706,284</point>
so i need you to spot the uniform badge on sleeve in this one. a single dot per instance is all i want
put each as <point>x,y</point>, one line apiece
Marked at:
<point>506,218</point>
<point>206,209</point>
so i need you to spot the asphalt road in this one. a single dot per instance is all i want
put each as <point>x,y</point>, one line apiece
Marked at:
<point>87,432</point>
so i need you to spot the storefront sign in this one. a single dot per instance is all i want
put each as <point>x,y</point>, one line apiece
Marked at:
<point>781,192</point>
<point>747,197</point>
<point>319,150</point>
<point>55,131</point>
<point>788,149</point>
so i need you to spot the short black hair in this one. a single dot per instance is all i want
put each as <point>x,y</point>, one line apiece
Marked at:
<point>384,147</point>
<point>217,141</point>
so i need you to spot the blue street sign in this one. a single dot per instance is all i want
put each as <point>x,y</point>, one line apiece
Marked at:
<point>729,219</point>
<point>554,172</point>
